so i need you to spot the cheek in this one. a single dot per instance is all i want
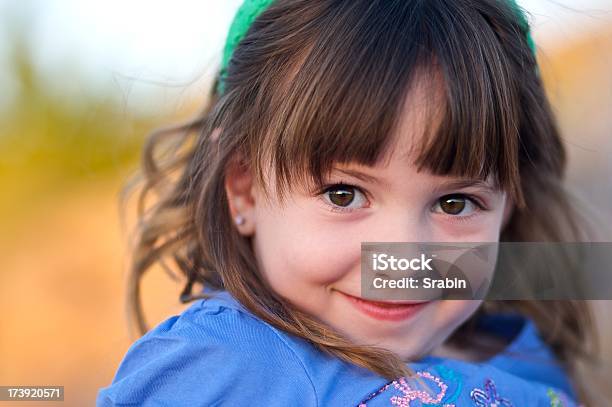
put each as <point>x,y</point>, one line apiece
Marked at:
<point>296,248</point>
<point>485,227</point>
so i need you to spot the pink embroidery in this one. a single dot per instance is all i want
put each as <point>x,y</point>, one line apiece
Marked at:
<point>409,394</point>
<point>421,395</point>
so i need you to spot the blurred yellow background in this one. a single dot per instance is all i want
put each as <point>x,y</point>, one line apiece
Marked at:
<point>64,155</point>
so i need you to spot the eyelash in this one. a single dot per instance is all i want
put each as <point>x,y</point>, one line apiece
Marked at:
<point>339,185</point>
<point>479,207</point>
<point>454,218</point>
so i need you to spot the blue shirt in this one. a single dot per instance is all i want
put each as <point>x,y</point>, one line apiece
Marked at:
<point>217,353</point>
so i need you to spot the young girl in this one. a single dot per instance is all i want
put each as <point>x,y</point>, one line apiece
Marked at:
<point>339,122</point>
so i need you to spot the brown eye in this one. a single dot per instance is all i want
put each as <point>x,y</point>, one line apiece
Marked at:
<point>341,195</point>
<point>459,205</point>
<point>452,204</point>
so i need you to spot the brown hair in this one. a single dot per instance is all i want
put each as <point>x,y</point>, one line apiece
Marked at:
<point>317,82</point>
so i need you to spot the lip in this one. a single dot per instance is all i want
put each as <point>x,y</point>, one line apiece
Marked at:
<point>386,310</point>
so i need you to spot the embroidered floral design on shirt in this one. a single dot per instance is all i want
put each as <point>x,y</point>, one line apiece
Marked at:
<point>409,394</point>
<point>372,395</point>
<point>488,397</point>
<point>558,398</point>
<point>453,378</point>
<point>555,401</point>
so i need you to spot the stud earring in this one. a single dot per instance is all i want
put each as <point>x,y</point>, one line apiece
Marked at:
<point>239,219</point>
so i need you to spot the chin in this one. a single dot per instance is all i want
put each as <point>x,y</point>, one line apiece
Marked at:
<point>408,353</point>
<point>400,344</point>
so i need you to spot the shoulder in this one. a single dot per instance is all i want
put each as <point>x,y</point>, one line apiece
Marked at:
<point>459,383</point>
<point>213,352</point>
<point>530,357</point>
<point>524,373</point>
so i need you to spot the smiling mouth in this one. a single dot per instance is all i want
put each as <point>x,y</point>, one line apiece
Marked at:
<point>386,310</point>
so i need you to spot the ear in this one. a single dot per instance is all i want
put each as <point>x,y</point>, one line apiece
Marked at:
<point>508,210</point>
<point>240,196</point>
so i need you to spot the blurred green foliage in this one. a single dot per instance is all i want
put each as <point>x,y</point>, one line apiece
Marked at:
<point>43,132</point>
<point>51,140</point>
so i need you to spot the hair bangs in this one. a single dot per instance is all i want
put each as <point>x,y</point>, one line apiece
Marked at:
<point>343,100</point>
<point>478,134</point>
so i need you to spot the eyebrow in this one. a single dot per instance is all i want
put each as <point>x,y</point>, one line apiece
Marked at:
<point>446,185</point>
<point>465,183</point>
<point>360,175</point>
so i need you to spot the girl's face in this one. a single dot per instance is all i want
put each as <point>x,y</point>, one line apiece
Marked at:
<point>309,248</point>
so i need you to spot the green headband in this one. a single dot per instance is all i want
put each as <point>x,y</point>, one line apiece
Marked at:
<point>246,14</point>
<point>250,9</point>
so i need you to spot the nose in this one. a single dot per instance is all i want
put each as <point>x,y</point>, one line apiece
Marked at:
<point>402,226</point>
